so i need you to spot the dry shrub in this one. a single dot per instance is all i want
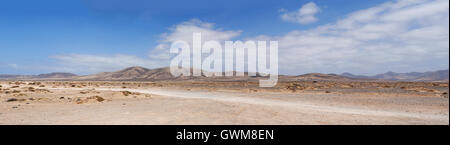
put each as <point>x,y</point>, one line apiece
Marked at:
<point>126,93</point>
<point>14,100</point>
<point>96,98</point>
<point>43,91</point>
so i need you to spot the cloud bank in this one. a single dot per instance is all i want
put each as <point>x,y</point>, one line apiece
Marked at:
<point>184,31</point>
<point>401,36</point>
<point>304,15</point>
<point>405,35</point>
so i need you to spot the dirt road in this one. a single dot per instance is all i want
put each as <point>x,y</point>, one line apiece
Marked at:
<point>177,106</point>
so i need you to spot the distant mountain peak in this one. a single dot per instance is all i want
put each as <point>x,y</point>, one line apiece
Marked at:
<point>440,75</point>
<point>137,69</point>
<point>57,75</point>
<point>346,73</point>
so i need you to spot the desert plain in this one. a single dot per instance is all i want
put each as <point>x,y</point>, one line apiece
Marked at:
<point>223,102</point>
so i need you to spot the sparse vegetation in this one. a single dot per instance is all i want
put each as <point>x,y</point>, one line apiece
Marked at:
<point>429,96</point>
<point>14,100</point>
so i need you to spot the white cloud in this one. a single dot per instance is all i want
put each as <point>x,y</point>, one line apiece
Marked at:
<point>406,35</point>
<point>184,31</point>
<point>401,36</point>
<point>158,57</point>
<point>304,15</point>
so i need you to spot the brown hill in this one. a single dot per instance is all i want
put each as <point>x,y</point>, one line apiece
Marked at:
<point>144,74</point>
<point>133,73</point>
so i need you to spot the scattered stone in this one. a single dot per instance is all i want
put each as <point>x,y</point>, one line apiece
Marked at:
<point>86,100</point>
<point>44,99</point>
<point>347,86</point>
<point>80,101</point>
<point>43,91</point>
<point>20,95</point>
<point>35,83</point>
<point>385,86</point>
<point>98,98</point>
<point>126,93</point>
<point>31,89</point>
<point>14,100</point>
<point>294,87</point>
<point>444,94</point>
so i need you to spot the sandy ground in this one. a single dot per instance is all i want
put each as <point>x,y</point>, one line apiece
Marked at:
<point>97,103</point>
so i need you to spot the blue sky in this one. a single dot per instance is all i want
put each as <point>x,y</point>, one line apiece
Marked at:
<point>88,36</point>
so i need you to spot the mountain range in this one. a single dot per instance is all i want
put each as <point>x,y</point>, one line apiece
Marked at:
<point>440,75</point>
<point>160,74</point>
<point>55,75</point>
